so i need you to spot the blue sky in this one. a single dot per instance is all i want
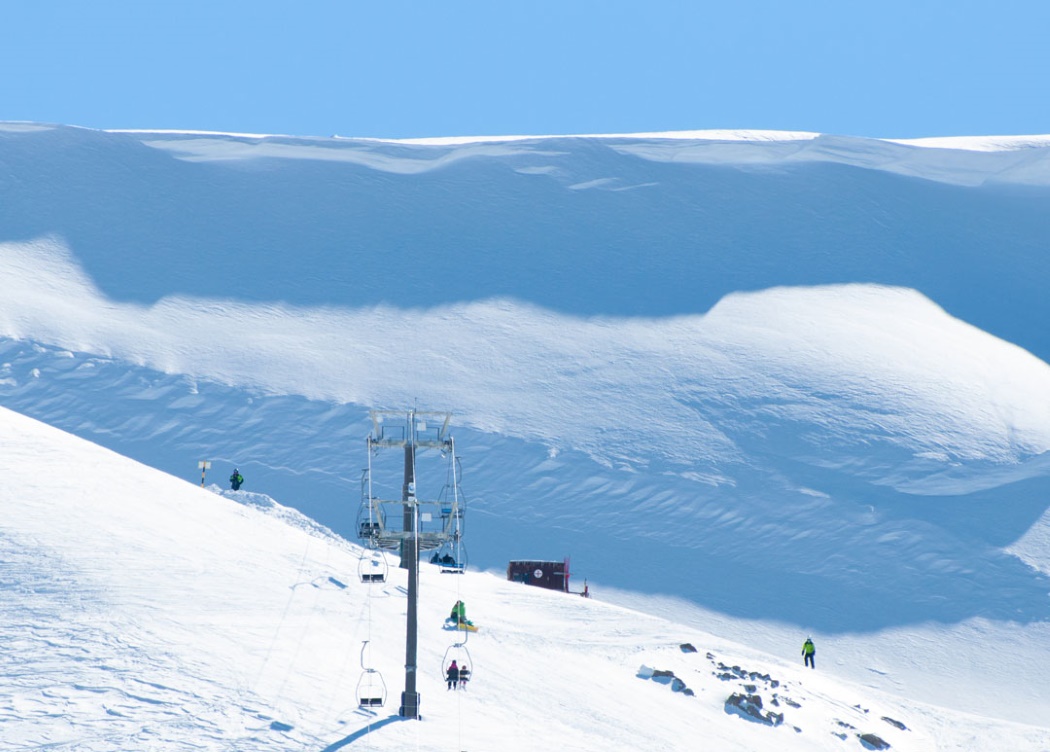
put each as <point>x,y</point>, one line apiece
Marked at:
<point>402,69</point>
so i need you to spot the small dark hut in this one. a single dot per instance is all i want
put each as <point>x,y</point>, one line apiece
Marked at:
<point>553,575</point>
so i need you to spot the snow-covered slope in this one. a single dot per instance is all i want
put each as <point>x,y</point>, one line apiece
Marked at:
<point>141,612</point>
<point>804,374</point>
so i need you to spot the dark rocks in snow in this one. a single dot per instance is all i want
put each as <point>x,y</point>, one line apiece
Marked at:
<point>662,676</point>
<point>871,741</point>
<point>730,672</point>
<point>755,676</point>
<point>749,707</point>
<point>748,704</point>
<point>734,671</point>
<point>687,648</point>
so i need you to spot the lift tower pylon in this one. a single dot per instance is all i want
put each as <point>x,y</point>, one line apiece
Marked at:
<point>410,561</point>
<point>412,430</point>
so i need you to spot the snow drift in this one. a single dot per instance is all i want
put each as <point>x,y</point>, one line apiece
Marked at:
<point>806,374</point>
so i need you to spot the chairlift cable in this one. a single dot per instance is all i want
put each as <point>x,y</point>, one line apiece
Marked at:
<point>458,556</point>
<point>457,521</point>
<point>284,616</point>
<point>369,453</point>
<point>457,524</point>
<point>311,613</point>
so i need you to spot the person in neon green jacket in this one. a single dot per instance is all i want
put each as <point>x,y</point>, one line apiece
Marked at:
<point>810,652</point>
<point>459,614</point>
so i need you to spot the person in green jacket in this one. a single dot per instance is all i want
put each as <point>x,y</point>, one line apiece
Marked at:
<point>809,651</point>
<point>459,613</point>
<point>236,480</point>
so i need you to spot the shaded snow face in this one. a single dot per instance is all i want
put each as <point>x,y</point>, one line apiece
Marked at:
<point>715,372</point>
<point>609,227</point>
<point>861,364</point>
<point>820,432</point>
<point>833,428</point>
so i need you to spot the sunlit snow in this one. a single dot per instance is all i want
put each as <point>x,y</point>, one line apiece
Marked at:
<point>756,385</point>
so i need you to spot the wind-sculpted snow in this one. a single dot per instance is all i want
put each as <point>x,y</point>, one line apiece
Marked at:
<point>965,162</point>
<point>801,373</point>
<point>616,226</point>
<point>398,161</point>
<point>861,420</point>
<point>959,161</point>
<point>860,365</point>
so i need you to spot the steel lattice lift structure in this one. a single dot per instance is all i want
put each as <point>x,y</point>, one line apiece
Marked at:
<point>425,522</point>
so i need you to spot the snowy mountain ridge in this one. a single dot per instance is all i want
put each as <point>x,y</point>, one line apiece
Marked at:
<point>1017,160</point>
<point>806,377</point>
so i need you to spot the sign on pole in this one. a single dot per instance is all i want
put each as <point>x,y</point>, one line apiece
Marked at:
<point>203,465</point>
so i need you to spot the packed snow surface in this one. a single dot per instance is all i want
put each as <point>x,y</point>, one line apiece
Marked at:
<point>757,385</point>
<point>142,612</point>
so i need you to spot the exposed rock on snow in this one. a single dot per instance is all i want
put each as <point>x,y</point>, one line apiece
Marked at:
<point>749,707</point>
<point>897,724</point>
<point>871,741</point>
<point>665,677</point>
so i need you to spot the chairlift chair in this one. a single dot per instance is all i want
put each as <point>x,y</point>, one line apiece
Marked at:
<point>372,569</point>
<point>455,566</point>
<point>451,557</point>
<point>458,652</point>
<point>370,522</point>
<point>371,689</point>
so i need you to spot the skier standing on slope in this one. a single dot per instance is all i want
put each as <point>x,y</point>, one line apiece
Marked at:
<point>236,479</point>
<point>809,651</point>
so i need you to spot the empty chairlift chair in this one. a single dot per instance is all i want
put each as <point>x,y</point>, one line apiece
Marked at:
<point>371,689</point>
<point>372,568</point>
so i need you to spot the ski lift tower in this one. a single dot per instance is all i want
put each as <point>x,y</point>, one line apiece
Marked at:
<point>420,528</point>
